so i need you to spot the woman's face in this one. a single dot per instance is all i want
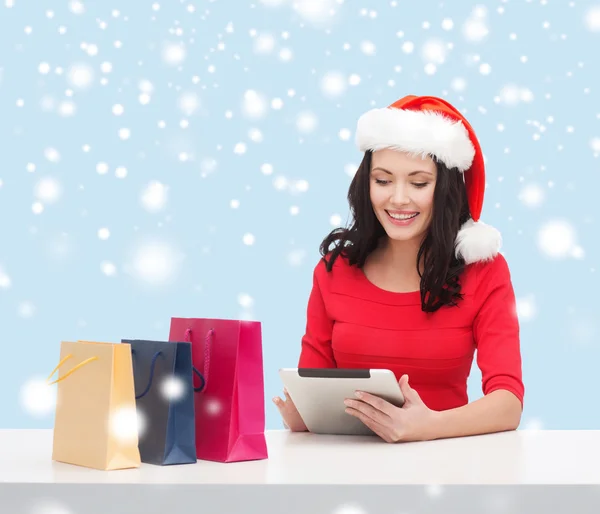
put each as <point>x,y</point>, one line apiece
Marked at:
<point>402,193</point>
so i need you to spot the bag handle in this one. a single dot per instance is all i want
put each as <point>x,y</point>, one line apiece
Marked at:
<point>152,367</point>
<point>207,347</point>
<point>72,370</point>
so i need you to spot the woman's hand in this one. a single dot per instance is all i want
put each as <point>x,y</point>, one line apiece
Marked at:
<point>289,413</point>
<point>414,421</point>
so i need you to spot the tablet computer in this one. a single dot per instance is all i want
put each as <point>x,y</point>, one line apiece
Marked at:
<point>319,396</point>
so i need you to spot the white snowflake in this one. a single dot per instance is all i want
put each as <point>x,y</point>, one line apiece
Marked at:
<point>108,268</point>
<point>52,154</point>
<point>48,190</point>
<point>592,18</point>
<point>286,54</point>
<point>434,51</point>
<point>526,307</point>
<point>254,105</point>
<point>173,53</point>
<point>333,84</point>
<point>127,424</point>
<point>267,169</point>
<point>354,79</point>
<point>315,11</point>
<point>172,389</point>
<point>189,103</point>
<point>5,281</point>
<point>296,257</point>
<point>447,24</point>
<point>26,310</point>
<point>102,168</point>
<point>245,300</point>
<point>124,133</point>
<point>264,44</point>
<point>368,48</point>
<point>37,398</point>
<point>155,263</point>
<point>556,239</point>
<point>80,75</point>
<point>532,195</point>
<point>306,122</point>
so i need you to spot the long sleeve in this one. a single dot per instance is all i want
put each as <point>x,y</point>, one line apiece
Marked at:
<point>316,343</point>
<point>496,330</point>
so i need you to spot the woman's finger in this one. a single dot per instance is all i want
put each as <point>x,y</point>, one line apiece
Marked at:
<point>380,430</point>
<point>369,411</point>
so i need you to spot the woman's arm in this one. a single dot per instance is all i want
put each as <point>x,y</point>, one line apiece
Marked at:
<point>498,411</point>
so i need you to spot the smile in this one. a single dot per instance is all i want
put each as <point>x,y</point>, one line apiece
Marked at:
<point>402,219</point>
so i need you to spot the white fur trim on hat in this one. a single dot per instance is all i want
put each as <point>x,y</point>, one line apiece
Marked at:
<point>417,132</point>
<point>477,241</point>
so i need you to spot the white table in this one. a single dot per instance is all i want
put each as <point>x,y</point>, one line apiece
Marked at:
<point>430,470</point>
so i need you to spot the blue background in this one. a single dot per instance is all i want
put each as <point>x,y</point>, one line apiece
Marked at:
<point>542,169</point>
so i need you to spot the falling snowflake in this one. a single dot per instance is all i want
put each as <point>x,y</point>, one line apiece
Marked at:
<point>173,53</point>
<point>264,44</point>
<point>47,190</point>
<point>172,388</point>
<point>254,104</point>
<point>592,18</point>
<point>80,76</point>
<point>52,154</point>
<point>306,122</point>
<point>26,310</point>
<point>245,300</point>
<point>189,103</point>
<point>127,424</point>
<point>4,279</point>
<point>526,308</point>
<point>108,268</point>
<point>155,263</point>
<point>532,195</point>
<point>37,397</point>
<point>213,407</point>
<point>556,239</point>
<point>333,84</point>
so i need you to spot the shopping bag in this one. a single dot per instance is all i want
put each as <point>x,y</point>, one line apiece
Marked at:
<point>95,421</point>
<point>164,393</point>
<point>230,407</point>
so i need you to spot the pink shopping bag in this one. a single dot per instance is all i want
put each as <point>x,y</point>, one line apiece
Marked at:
<point>230,402</point>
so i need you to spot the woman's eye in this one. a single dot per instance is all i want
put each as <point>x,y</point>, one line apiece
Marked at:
<point>379,181</point>
<point>420,184</point>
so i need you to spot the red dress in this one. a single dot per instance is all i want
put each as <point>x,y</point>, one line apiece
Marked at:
<point>351,323</point>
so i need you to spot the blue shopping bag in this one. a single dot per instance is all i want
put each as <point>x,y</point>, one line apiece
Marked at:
<point>164,391</point>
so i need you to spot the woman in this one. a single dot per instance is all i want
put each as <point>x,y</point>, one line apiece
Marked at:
<point>417,283</point>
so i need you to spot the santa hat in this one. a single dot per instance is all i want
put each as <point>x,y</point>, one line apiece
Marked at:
<point>430,126</point>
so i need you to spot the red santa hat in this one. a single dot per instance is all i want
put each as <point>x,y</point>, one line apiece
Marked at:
<point>430,126</point>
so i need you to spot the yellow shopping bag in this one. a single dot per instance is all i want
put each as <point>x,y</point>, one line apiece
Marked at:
<point>96,422</point>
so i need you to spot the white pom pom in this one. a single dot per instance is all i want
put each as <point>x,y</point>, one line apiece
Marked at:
<point>477,241</point>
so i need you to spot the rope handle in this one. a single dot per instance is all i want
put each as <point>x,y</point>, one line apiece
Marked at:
<point>207,350</point>
<point>152,368</point>
<point>71,371</point>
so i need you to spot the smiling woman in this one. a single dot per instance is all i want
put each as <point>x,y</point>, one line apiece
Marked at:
<point>416,284</point>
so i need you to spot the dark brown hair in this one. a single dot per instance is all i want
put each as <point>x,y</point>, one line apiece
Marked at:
<point>440,283</point>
